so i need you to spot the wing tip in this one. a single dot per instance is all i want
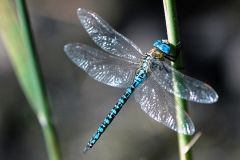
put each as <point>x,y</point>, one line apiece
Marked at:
<point>208,98</point>
<point>72,46</point>
<point>67,47</point>
<point>213,96</point>
<point>80,11</point>
<point>188,128</point>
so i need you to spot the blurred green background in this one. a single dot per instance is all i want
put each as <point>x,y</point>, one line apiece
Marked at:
<point>210,40</point>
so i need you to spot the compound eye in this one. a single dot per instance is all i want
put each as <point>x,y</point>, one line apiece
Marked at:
<point>163,47</point>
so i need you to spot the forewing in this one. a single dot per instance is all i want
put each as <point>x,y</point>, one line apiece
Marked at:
<point>103,67</point>
<point>106,37</point>
<point>159,105</point>
<point>188,88</point>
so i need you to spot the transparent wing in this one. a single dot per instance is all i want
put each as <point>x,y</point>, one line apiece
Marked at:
<point>103,67</point>
<point>106,37</point>
<point>159,105</point>
<point>189,88</point>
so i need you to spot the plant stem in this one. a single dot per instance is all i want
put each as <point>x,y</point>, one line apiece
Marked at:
<point>174,39</point>
<point>19,44</point>
<point>43,112</point>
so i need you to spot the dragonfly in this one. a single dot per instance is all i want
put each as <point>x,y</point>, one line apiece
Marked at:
<point>147,75</point>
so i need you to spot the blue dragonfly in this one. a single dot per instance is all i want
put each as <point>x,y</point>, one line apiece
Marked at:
<point>145,74</point>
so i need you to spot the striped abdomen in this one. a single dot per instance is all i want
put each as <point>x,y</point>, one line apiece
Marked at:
<point>140,77</point>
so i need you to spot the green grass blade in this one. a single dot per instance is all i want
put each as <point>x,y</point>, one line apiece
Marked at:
<point>174,39</point>
<point>16,35</point>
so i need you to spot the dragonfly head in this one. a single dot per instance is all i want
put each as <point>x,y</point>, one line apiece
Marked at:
<point>163,46</point>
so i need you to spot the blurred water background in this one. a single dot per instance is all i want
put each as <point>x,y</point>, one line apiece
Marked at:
<point>210,38</point>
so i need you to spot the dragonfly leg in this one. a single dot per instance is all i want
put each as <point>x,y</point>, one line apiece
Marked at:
<point>174,58</point>
<point>163,67</point>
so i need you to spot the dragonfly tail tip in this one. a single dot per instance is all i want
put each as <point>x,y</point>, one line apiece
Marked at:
<point>86,149</point>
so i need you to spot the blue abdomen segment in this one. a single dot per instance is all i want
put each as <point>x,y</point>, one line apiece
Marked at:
<point>165,48</point>
<point>139,78</point>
